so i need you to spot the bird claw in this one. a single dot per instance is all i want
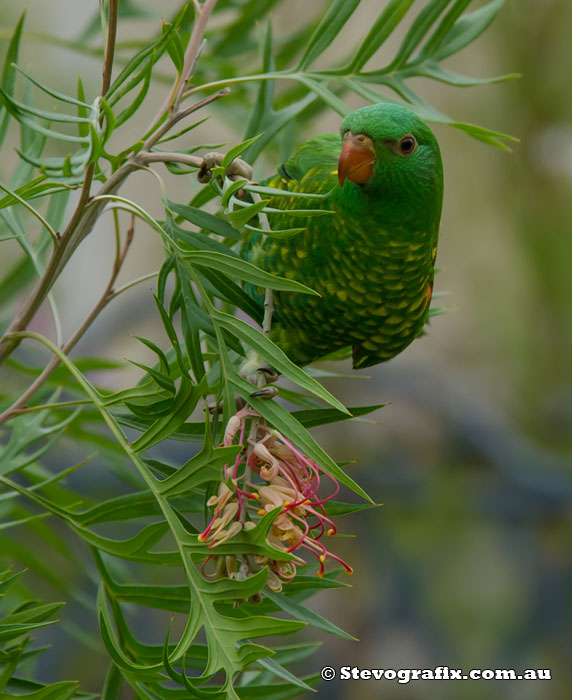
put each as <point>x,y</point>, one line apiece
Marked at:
<point>216,409</point>
<point>238,169</point>
<point>269,392</point>
<point>270,375</point>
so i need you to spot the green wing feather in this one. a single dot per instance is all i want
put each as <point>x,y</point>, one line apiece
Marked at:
<point>318,154</point>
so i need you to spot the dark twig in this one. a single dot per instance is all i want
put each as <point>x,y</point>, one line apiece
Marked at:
<point>109,46</point>
<point>67,242</point>
<point>106,297</point>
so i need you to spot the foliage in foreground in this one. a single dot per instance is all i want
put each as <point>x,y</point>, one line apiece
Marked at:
<point>231,521</point>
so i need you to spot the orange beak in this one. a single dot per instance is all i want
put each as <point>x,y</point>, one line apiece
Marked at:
<point>356,162</point>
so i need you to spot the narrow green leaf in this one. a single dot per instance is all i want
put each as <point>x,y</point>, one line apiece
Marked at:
<point>225,289</point>
<point>277,121</point>
<point>418,30</point>
<point>262,110</point>
<point>429,69</point>
<point>174,47</point>
<point>338,13</point>
<point>172,334</point>
<point>9,74</point>
<point>152,52</point>
<point>276,357</point>
<point>384,25</point>
<point>300,612</point>
<point>206,466</point>
<point>442,31</point>
<point>164,381</point>
<point>187,398</point>
<point>279,233</point>
<point>274,191</point>
<point>330,98</point>
<point>235,267</point>
<point>235,151</point>
<point>493,138</point>
<point>196,240</point>
<point>230,187</point>
<point>283,421</point>
<point>43,114</point>
<point>313,417</point>
<point>113,684</point>
<point>190,330</point>
<point>128,112</point>
<point>205,220</point>
<point>53,93</point>
<point>182,132</point>
<point>7,579</point>
<point>277,670</point>
<point>467,29</point>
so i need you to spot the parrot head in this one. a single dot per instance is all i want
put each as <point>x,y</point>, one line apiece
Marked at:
<point>391,154</point>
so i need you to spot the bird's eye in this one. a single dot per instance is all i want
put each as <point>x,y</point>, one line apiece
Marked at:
<point>407,145</point>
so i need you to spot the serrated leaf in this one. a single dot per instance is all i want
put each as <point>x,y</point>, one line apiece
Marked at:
<point>186,399</point>
<point>205,466</point>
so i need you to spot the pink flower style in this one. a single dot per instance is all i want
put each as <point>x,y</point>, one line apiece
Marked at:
<point>287,479</point>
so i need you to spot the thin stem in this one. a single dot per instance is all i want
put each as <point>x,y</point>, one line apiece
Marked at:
<point>247,470</point>
<point>105,298</point>
<point>242,79</point>
<point>171,103</point>
<point>32,211</point>
<point>50,406</point>
<point>78,228</point>
<point>109,46</point>
<point>193,50</point>
<point>266,327</point>
<point>127,286</point>
<point>269,294</point>
<point>165,157</point>
<point>176,117</point>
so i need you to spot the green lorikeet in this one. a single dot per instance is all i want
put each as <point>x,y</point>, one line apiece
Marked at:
<point>372,260</point>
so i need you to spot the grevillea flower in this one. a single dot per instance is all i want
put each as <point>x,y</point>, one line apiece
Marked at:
<point>270,473</point>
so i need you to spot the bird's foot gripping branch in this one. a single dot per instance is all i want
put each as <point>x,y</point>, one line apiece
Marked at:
<point>270,475</point>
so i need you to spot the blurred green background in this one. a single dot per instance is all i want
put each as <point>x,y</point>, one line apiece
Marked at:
<point>467,564</point>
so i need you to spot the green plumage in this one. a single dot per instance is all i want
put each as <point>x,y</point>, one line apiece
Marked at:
<point>372,260</point>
